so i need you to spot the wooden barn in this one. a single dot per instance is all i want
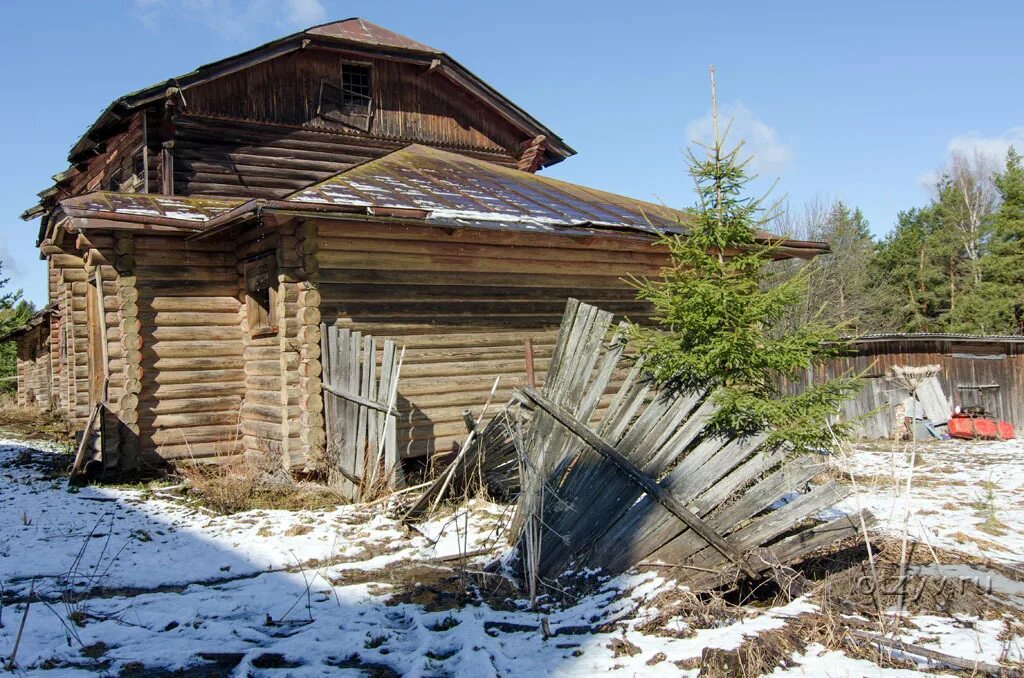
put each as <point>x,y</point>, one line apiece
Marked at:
<point>209,226</point>
<point>975,371</point>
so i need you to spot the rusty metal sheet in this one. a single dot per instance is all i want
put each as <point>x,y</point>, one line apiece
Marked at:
<point>457,190</point>
<point>197,210</point>
<point>368,33</point>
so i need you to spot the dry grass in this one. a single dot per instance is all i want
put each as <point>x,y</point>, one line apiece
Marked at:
<point>846,585</point>
<point>245,484</point>
<point>32,423</point>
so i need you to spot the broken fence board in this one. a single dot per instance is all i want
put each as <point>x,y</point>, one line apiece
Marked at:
<point>635,474</point>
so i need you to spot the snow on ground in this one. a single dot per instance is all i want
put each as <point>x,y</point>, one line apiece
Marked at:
<point>128,582</point>
<point>967,496</point>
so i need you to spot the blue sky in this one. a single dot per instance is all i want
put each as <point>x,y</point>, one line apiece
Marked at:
<point>851,100</point>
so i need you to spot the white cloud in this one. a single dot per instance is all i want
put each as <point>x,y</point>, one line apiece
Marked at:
<point>231,19</point>
<point>761,142</point>
<point>993,148</point>
<point>979,148</point>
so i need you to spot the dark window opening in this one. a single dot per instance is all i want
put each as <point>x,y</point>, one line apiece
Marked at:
<point>352,103</point>
<point>261,294</point>
<point>355,89</point>
<point>114,179</point>
<point>140,177</point>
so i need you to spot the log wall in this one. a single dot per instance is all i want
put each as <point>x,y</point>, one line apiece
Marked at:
<point>190,357</point>
<point>34,367</point>
<point>261,412</point>
<point>250,159</point>
<point>463,304</point>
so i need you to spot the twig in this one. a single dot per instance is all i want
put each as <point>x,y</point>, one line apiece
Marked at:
<point>935,655</point>
<point>21,627</point>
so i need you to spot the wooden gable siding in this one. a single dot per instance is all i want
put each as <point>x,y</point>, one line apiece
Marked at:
<point>408,103</point>
<point>33,367</point>
<point>463,304</point>
<point>246,159</point>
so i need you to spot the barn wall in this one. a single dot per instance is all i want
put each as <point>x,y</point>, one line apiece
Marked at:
<point>408,103</point>
<point>463,304</point>
<point>191,377</point>
<point>965,366</point>
<point>34,366</point>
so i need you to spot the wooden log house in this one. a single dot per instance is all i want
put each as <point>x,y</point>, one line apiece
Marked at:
<point>209,224</point>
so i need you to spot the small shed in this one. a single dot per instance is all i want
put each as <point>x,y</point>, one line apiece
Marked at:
<point>33,359</point>
<point>986,371</point>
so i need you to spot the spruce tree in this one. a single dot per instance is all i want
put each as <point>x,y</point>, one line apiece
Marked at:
<point>14,312</point>
<point>720,325</point>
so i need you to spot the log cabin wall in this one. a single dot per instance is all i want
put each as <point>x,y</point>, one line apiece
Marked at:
<point>462,304</point>
<point>262,412</point>
<point>238,158</point>
<point>190,377</point>
<point>69,282</point>
<point>34,367</point>
<point>58,375</point>
<point>106,356</point>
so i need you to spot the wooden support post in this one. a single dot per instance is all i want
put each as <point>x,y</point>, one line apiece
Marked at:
<point>650,486</point>
<point>530,379</point>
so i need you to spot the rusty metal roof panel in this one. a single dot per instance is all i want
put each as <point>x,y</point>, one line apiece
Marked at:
<point>198,209</point>
<point>456,189</point>
<point>938,336</point>
<point>367,33</point>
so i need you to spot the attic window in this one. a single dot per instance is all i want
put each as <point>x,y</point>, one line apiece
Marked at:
<point>114,179</point>
<point>261,294</point>
<point>352,103</point>
<point>355,88</point>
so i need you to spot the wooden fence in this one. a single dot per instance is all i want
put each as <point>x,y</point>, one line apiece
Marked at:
<point>359,404</point>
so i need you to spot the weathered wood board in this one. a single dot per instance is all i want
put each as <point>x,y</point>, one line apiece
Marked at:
<point>643,480</point>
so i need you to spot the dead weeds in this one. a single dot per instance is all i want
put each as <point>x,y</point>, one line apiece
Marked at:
<point>245,485</point>
<point>32,423</point>
<point>847,585</point>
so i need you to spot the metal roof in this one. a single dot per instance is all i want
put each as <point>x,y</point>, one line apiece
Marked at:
<point>149,208</point>
<point>364,32</point>
<point>423,185</point>
<point>455,190</point>
<point>937,336</point>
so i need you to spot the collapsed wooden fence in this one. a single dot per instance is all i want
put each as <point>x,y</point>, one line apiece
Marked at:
<point>359,403</point>
<point>615,477</point>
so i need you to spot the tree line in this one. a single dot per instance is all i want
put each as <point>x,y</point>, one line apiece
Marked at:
<point>953,265</point>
